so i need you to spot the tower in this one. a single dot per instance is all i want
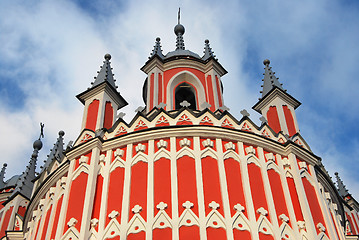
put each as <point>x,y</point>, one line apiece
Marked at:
<point>276,105</point>
<point>102,100</point>
<point>182,75</point>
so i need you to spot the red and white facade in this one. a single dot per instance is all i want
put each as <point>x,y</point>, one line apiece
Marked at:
<point>183,168</point>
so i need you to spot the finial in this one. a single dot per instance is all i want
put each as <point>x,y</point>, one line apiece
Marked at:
<point>179,31</point>
<point>266,62</point>
<point>107,57</point>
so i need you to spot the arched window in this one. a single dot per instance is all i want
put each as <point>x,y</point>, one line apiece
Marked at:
<point>183,92</point>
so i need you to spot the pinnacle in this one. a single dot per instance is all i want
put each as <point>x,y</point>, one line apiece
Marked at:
<point>157,50</point>
<point>341,187</point>
<point>207,51</point>
<point>270,80</point>
<point>105,74</point>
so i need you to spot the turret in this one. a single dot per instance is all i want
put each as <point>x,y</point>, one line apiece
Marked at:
<point>276,105</point>
<point>25,184</point>
<point>102,100</point>
<point>182,76</point>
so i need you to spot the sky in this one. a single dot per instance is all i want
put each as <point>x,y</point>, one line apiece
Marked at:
<point>51,50</point>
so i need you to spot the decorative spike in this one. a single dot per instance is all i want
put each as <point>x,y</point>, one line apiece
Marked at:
<point>207,51</point>
<point>105,74</point>
<point>157,50</point>
<point>270,80</point>
<point>341,187</point>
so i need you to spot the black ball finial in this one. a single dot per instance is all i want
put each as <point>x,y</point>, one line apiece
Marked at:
<point>206,41</point>
<point>158,39</point>
<point>37,144</point>
<point>108,57</point>
<point>179,29</point>
<point>61,133</point>
<point>266,62</point>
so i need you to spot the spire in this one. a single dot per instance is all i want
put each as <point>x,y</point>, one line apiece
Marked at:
<point>2,175</point>
<point>179,31</point>
<point>269,81</point>
<point>157,50</point>
<point>56,152</point>
<point>341,187</point>
<point>105,74</point>
<point>207,51</point>
<point>24,184</point>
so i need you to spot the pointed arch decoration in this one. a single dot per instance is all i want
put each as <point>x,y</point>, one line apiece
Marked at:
<point>264,226</point>
<point>253,159</point>
<point>162,153</point>
<point>113,229</point>
<point>209,152</point>
<point>272,165</point>
<point>137,224</point>
<point>185,151</point>
<point>83,168</point>
<point>188,218</point>
<point>190,79</point>
<point>117,162</point>
<point>162,121</point>
<point>140,156</point>
<point>231,154</point>
<point>286,232</point>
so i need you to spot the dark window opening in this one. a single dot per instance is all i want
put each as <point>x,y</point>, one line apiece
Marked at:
<point>184,92</point>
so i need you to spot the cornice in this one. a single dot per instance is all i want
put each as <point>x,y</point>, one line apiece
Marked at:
<point>184,62</point>
<point>103,87</point>
<point>210,132</point>
<point>270,96</point>
<point>84,148</point>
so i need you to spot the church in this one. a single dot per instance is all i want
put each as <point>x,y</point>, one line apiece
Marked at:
<point>182,168</point>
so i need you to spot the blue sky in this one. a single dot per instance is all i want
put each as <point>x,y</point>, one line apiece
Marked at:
<point>50,51</point>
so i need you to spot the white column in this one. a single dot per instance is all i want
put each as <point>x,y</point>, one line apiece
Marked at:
<point>126,193</point>
<point>174,190</point>
<point>90,194</point>
<point>247,193</point>
<point>150,186</point>
<point>200,194</point>
<point>224,189</point>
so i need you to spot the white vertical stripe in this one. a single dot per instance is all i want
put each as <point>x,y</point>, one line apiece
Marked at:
<point>224,190</point>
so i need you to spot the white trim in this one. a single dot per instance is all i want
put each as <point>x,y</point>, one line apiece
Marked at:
<point>174,189</point>
<point>247,192</point>
<point>224,190</point>
<point>200,193</point>
<point>307,215</point>
<point>150,190</point>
